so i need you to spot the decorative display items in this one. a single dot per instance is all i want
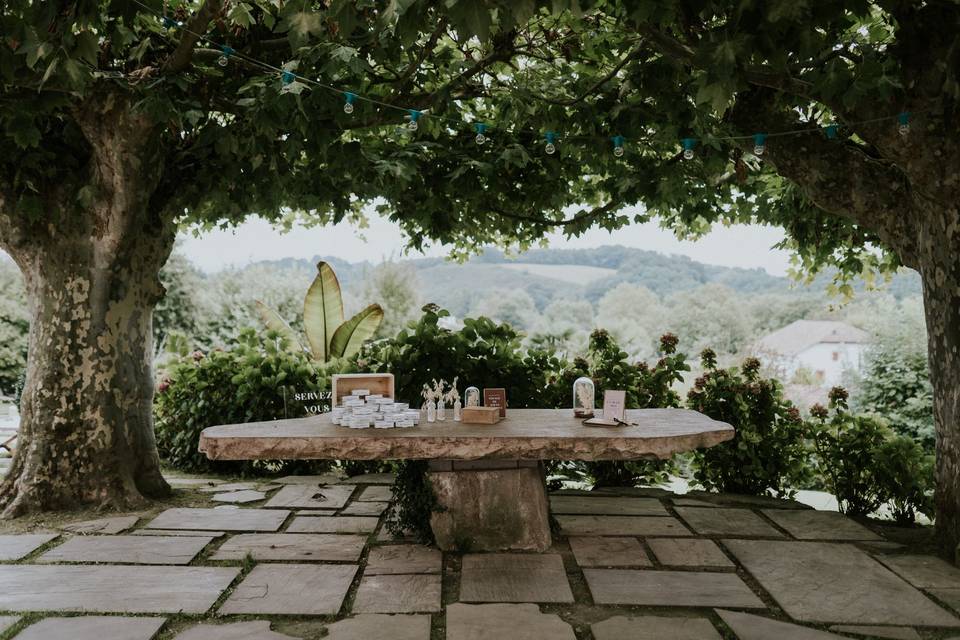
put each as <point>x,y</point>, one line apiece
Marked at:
<point>614,410</point>
<point>583,397</point>
<point>429,404</point>
<point>440,399</point>
<point>362,410</point>
<point>471,397</point>
<point>496,397</point>
<point>453,397</point>
<point>481,415</point>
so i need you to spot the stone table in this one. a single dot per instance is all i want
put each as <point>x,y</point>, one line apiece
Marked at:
<point>489,478</point>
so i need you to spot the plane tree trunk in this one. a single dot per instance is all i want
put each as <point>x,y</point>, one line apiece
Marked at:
<point>91,275</point>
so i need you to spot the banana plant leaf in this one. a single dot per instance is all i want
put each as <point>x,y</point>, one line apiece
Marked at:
<point>349,336</point>
<point>322,311</point>
<point>272,321</point>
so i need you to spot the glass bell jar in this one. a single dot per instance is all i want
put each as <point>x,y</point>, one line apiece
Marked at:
<point>471,397</point>
<point>583,398</point>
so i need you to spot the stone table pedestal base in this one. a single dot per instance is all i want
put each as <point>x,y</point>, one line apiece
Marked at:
<point>490,505</point>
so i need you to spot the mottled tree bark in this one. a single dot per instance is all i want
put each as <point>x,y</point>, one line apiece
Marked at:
<point>91,275</point>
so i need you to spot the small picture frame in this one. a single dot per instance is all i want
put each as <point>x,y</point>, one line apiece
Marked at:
<point>496,397</point>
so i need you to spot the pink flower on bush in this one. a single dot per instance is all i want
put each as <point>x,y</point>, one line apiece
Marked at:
<point>164,385</point>
<point>197,355</point>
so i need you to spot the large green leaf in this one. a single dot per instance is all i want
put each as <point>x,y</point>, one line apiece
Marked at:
<point>322,311</point>
<point>349,336</point>
<point>272,321</point>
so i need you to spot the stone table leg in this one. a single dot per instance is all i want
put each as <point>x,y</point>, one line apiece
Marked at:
<point>490,505</point>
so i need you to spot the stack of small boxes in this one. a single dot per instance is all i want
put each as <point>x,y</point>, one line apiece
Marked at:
<point>362,409</point>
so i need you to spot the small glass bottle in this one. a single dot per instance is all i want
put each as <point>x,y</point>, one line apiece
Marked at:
<point>441,410</point>
<point>471,397</point>
<point>431,411</point>
<point>583,398</point>
<point>456,410</point>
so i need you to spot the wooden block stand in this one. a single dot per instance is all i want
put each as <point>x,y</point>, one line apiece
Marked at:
<point>490,505</point>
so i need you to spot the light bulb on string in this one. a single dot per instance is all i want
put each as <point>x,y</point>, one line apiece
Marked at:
<point>287,77</point>
<point>903,123</point>
<point>618,149</point>
<point>551,148</point>
<point>759,143</point>
<point>224,58</point>
<point>688,145</point>
<point>481,129</point>
<point>414,116</point>
<point>348,99</point>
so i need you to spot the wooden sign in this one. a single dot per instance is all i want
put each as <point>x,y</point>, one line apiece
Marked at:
<point>480,415</point>
<point>496,397</point>
<point>614,404</point>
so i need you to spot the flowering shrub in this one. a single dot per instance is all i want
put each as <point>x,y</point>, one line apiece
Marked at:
<point>768,453</point>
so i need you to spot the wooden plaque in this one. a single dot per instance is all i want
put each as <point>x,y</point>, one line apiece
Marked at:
<point>480,415</point>
<point>496,397</point>
<point>377,383</point>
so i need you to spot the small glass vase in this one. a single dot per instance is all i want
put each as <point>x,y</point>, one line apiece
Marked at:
<point>441,411</point>
<point>431,411</point>
<point>456,410</point>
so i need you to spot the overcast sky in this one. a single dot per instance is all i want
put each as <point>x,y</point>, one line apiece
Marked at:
<point>740,246</point>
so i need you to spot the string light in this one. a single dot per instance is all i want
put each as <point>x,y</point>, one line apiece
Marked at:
<point>414,116</point>
<point>288,77</point>
<point>348,99</point>
<point>226,52</point>
<point>759,143</point>
<point>903,120</point>
<point>551,148</point>
<point>480,128</point>
<point>618,145</point>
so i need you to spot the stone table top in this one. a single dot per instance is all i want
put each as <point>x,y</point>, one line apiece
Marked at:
<point>525,434</point>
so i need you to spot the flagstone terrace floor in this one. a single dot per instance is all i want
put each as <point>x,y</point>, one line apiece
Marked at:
<point>308,557</point>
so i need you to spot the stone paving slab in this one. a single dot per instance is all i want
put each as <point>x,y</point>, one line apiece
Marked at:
<point>727,522</point>
<point>219,519</point>
<point>305,589</point>
<point>403,558</point>
<point>621,526</point>
<point>375,626</point>
<point>364,509</point>
<point>511,577</point>
<point>603,505</point>
<point>128,549</point>
<point>751,627</point>
<point>252,630</point>
<point>239,497</point>
<point>897,633</point>
<point>654,628</point>
<point>926,572</point>
<point>333,524</point>
<point>177,532</point>
<point>376,493</point>
<point>493,621</point>
<point>229,487</point>
<point>93,628</point>
<point>292,546</point>
<point>688,552</point>
<point>739,500</point>
<point>192,482</point>
<point>950,597</point>
<point>109,589</point>
<point>329,478</point>
<point>303,496</point>
<point>835,583</point>
<point>14,547</point>
<point>820,525</point>
<point>106,526</point>
<point>693,502</point>
<point>591,551</point>
<point>398,594</point>
<point>670,588</point>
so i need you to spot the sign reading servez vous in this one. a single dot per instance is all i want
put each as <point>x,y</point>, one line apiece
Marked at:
<point>306,402</point>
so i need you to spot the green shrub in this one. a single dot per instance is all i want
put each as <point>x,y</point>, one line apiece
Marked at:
<point>646,387</point>
<point>254,380</point>
<point>14,329</point>
<point>768,453</point>
<point>866,466</point>
<point>415,502</point>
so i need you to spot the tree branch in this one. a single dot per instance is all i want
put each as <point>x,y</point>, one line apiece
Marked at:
<point>838,178</point>
<point>183,54</point>
<point>596,212</point>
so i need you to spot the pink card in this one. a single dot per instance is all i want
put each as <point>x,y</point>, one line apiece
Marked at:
<point>614,404</point>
